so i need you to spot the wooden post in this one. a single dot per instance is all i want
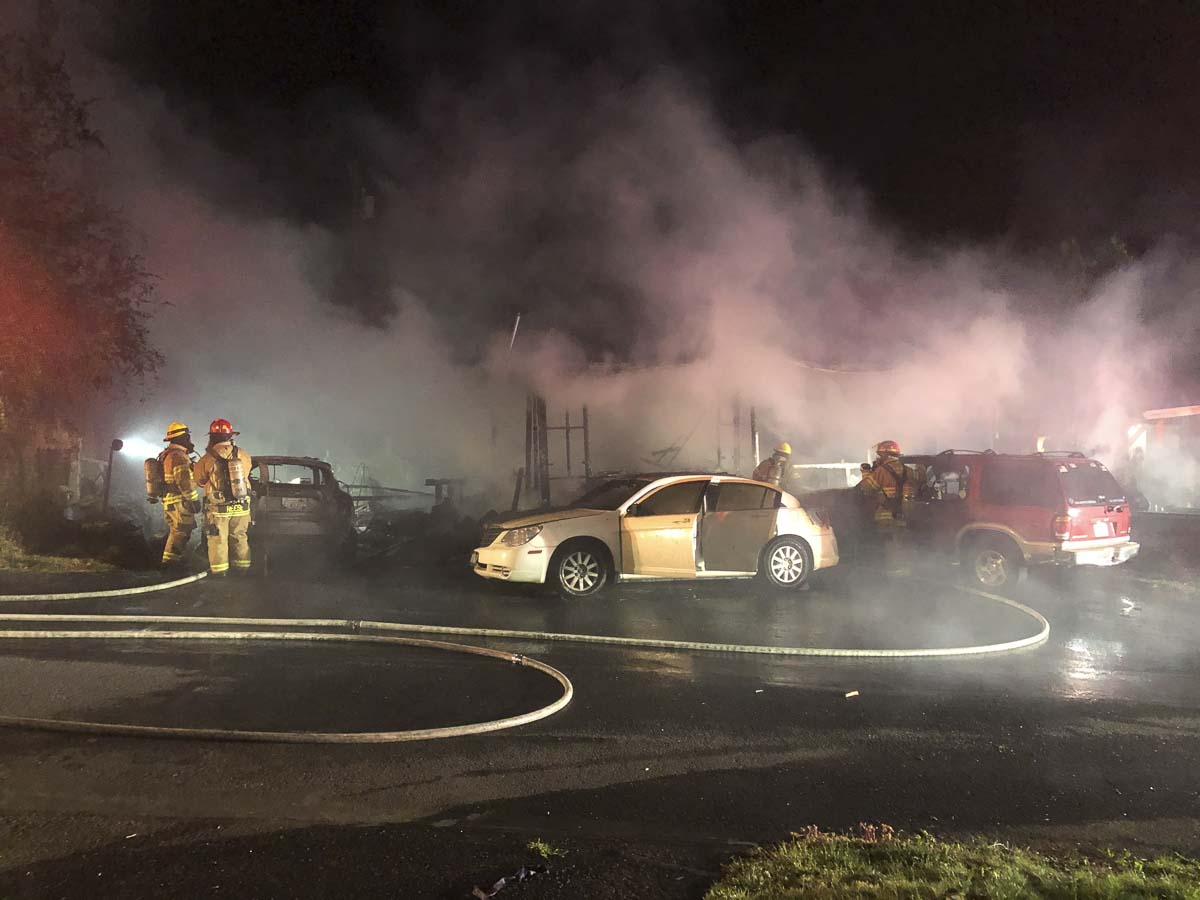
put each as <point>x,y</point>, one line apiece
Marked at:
<point>587,446</point>
<point>567,436</point>
<point>516,501</point>
<point>544,446</point>
<point>754,436</point>
<point>528,433</point>
<point>737,435</point>
<point>116,445</point>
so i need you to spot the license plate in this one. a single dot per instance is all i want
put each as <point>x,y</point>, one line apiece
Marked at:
<point>296,503</point>
<point>1101,529</point>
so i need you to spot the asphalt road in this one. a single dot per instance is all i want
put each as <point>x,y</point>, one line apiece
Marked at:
<point>665,765</point>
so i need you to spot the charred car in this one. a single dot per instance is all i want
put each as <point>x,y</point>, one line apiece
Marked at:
<point>299,504</point>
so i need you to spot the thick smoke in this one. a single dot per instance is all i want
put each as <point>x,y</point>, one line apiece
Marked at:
<point>663,268</point>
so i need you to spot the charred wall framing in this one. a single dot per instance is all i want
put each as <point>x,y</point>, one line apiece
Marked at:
<point>733,428</point>
<point>538,463</point>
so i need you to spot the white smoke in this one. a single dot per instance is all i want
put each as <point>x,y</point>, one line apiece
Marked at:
<point>756,277</point>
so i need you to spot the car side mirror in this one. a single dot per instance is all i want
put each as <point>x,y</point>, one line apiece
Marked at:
<point>631,510</point>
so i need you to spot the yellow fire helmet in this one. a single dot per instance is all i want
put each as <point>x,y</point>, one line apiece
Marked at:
<point>176,429</point>
<point>785,448</point>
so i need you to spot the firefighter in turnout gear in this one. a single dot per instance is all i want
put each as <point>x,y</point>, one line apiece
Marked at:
<point>773,468</point>
<point>224,473</point>
<point>180,498</point>
<point>886,485</point>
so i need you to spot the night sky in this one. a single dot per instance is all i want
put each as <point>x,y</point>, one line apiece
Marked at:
<point>935,107</point>
<point>1020,125</point>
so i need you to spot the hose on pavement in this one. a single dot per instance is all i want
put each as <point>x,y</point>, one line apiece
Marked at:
<point>356,631</point>
<point>287,737</point>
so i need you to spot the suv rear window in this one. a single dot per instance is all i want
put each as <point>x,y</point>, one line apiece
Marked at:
<point>1019,482</point>
<point>1090,484</point>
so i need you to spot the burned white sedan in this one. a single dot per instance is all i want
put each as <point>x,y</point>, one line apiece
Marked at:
<point>662,527</point>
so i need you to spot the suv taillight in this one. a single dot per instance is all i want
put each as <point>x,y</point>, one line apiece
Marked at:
<point>1062,527</point>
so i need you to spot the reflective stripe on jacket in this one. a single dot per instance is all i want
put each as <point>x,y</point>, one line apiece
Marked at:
<point>232,510</point>
<point>210,475</point>
<point>879,487</point>
<point>177,475</point>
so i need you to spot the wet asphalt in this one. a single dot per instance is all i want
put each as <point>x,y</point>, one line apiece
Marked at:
<point>665,765</point>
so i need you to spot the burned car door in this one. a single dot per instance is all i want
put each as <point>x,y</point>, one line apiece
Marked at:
<point>740,522</point>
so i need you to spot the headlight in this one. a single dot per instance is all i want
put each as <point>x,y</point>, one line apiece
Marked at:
<point>519,536</point>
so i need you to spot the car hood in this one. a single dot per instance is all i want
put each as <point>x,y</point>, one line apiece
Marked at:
<point>544,518</point>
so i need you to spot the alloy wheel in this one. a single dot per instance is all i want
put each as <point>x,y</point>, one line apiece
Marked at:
<point>580,572</point>
<point>787,564</point>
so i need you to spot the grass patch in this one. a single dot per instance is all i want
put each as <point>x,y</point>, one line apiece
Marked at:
<point>876,862</point>
<point>544,849</point>
<point>14,558</point>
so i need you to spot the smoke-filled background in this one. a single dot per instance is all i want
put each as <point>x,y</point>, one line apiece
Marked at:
<point>868,224</point>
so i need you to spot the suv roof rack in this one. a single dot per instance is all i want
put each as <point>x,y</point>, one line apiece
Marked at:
<point>1052,454</point>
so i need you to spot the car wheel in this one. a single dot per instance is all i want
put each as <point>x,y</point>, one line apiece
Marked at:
<point>994,564</point>
<point>786,563</point>
<point>579,569</point>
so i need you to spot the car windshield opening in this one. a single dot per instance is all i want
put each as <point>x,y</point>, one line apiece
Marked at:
<point>610,494</point>
<point>1090,484</point>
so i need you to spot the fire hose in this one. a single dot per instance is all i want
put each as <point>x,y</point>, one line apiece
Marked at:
<point>287,737</point>
<point>98,595</point>
<point>354,631</point>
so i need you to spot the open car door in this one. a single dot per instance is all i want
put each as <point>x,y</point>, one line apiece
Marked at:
<point>658,534</point>
<point>739,523</point>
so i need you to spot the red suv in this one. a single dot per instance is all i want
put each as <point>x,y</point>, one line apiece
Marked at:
<point>1000,513</point>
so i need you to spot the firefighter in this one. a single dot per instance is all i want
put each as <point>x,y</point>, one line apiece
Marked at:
<point>181,500</point>
<point>223,471</point>
<point>885,485</point>
<point>773,468</point>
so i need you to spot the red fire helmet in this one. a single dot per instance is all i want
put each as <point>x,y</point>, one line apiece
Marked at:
<point>222,427</point>
<point>887,448</point>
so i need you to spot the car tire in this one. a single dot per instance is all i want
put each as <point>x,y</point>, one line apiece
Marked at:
<point>786,563</point>
<point>994,564</point>
<point>579,569</point>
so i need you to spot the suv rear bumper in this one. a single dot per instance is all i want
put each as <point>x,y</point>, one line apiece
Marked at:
<point>1112,555</point>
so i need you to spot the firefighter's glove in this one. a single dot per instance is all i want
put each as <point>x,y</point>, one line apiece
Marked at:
<point>212,530</point>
